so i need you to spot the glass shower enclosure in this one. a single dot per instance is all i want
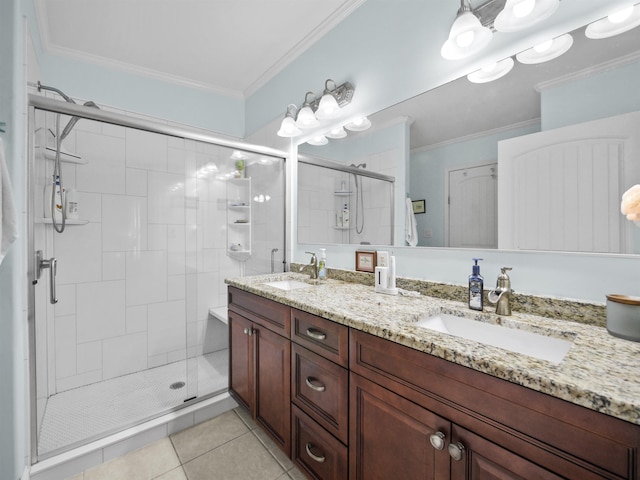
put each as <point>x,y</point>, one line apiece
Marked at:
<point>120,324</point>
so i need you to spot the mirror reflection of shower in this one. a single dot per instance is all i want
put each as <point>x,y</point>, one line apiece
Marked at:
<point>58,206</point>
<point>359,199</point>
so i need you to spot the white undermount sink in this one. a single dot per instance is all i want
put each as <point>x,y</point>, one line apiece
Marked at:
<point>532,344</point>
<point>288,284</point>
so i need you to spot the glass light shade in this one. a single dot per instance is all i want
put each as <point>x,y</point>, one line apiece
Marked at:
<point>318,140</point>
<point>288,128</point>
<point>519,14</point>
<point>545,51</point>
<point>492,72</point>
<point>328,107</point>
<point>359,125</point>
<point>615,24</point>
<point>336,133</point>
<point>467,37</point>
<point>306,118</point>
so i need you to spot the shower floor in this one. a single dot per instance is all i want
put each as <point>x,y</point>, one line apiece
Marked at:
<point>86,413</point>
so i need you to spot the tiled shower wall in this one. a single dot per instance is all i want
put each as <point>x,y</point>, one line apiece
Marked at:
<point>136,282</point>
<point>318,203</point>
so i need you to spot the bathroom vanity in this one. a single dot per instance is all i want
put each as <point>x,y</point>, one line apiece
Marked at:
<point>348,384</point>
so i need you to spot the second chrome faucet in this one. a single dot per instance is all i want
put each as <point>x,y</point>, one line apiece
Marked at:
<point>501,296</point>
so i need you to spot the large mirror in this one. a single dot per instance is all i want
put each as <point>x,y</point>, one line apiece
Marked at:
<point>456,131</point>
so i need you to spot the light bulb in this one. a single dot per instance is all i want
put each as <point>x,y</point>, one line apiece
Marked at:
<point>465,39</point>
<point>621,16</point>
<point>490,68</point>
<point>544,46</point>
<point>523,8</point>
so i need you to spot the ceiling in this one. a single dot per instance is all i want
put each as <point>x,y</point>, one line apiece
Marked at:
<point>229,46</point>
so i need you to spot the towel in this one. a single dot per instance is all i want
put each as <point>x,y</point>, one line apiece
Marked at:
<point>8,225</point>
<point>410,226</point>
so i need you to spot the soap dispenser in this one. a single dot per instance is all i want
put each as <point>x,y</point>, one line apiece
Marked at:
<point>322,264</point>
<point>476,287</point>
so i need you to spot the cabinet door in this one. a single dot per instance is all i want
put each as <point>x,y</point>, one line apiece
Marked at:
<point>273,385</point>
<point>390,437</point>
<point>481,459</point>
<point>241,365</point>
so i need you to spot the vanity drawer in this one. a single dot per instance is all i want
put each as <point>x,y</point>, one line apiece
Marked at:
<point>272,315</point>
<point>315,451</point>
<point>321,389</point>
<point>322,336</point>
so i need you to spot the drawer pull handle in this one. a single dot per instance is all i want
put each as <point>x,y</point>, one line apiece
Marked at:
<point>316,334</point>
<point>319,459</point>
<point>437,440</point>
<point>456,450</point>
<point>317,388</point>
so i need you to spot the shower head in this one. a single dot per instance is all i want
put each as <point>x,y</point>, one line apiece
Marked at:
<point>74,120</point>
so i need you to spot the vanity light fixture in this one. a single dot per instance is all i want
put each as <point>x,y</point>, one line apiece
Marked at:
<point>547,50</point>
<point>467,35</point>
<point>316,109</point>
<point>306,117</point>
<point>318,140</point>
<point>519,14</point>
<point>288,126</point>
<point>336,133</point>
<point>359,125</point>
<point>333,99</point>
<point>492,72</point>
<point>616,23</point>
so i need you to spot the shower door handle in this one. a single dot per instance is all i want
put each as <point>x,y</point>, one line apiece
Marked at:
<point>52,265</point>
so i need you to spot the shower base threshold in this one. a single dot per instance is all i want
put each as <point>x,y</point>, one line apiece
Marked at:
<point>72,462</point>
<point>75,417</point>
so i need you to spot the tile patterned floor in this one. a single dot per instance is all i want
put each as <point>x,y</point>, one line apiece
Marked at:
<point>228,447</point>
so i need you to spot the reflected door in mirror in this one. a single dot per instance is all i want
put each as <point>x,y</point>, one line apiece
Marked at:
<point>472,205</point>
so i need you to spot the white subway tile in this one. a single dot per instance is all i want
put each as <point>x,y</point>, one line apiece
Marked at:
<point>113,266</point>
<point>146,150</point>
<point>123,355</point>
<point>166,327</point>
<point>124,223</point>
<point>146,277</point>
<point>101,310</point>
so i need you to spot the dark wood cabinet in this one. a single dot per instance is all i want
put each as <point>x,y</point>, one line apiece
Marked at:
<point>346,404</point>
<point>260,364</point>
<point>391,436</point>
<point>499,430</point>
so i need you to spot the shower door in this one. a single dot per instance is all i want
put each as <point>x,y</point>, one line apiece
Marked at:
<point>137,273</point>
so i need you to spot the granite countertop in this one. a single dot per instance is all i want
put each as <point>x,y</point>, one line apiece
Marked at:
<point>600,371</point>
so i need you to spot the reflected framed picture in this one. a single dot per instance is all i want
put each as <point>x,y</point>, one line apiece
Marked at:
<point>419,206</point>
<point>365,261</point>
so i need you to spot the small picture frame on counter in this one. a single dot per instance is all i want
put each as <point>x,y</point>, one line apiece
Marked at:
<point>366,261</point>
<point>419,206</point>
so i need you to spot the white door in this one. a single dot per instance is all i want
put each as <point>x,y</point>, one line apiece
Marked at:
<point>473,216</point>
<point>560,189</point>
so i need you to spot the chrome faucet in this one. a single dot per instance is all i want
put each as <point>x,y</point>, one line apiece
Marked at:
<point>501,296</point>
<point>314,264</point>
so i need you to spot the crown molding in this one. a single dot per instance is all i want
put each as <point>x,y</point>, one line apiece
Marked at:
<point>338,16</point>
<point>474,136</point>
<point>588,72</point>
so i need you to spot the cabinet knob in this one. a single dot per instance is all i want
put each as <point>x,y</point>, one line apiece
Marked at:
<point>248,331</point>
<point>310,384</point>
<point>317,458</point>
<point>316,334</point>
<point>456,450</point>
<point>437,440</point>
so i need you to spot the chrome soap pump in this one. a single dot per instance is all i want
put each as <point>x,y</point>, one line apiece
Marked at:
<point>476,287</point>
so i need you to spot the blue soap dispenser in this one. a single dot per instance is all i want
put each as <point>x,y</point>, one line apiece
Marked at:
<point>476,287</point>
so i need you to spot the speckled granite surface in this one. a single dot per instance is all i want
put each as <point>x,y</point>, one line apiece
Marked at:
<point>600,372</point>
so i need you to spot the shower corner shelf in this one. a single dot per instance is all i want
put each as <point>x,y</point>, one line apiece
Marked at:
<point>50,154</point>
<point>343,194</point>
<point>239,218</point>
<point>48,221</point>
<point>342,228</point>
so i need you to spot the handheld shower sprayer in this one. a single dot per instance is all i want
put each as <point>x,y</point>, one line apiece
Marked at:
<point>57,170</point>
